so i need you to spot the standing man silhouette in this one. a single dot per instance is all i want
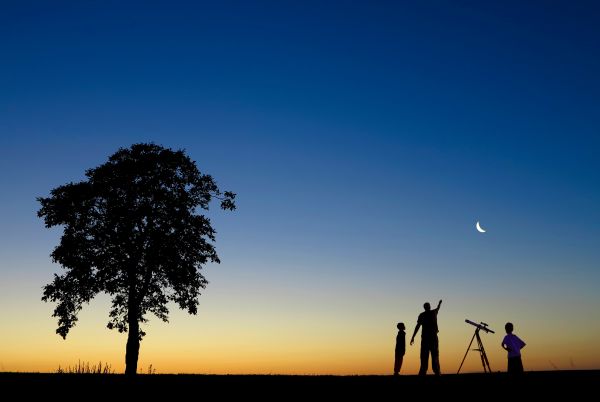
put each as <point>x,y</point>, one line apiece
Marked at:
<point>429,339</point>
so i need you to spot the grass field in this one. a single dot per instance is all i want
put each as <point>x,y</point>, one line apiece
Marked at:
<point>548,385</point>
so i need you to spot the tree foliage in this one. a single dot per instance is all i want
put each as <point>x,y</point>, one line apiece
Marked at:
<point>134,230</point>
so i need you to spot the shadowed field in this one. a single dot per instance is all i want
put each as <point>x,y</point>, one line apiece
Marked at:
<point>466,386</point>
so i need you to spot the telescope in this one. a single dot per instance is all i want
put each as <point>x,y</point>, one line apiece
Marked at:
<point>481,325</point>
<point>484,360</point>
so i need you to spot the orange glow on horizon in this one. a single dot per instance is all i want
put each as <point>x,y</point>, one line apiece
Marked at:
<point>270,343</point>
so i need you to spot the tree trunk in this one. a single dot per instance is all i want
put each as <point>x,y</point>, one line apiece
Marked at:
<point>133,339</point>
<point>133,349</point>
<point>133,346</point>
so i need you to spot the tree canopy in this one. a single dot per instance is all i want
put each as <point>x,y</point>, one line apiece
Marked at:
<point>134,230</point>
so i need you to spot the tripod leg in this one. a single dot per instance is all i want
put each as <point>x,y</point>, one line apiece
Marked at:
<point>487,362</point>
<point>481,352</point>
<point>484,360</point>
<point>468,347</point>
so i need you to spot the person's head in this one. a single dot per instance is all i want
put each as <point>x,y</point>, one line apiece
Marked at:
<point>427,306</point>
<point>400,326</point>
<point>509,327</point>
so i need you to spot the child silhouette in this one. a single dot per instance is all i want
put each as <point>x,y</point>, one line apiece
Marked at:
<point>513,345</point>
<point>400,348</point>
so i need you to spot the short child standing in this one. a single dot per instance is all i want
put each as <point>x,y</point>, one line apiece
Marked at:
<point>513,345</point>
<point>400,348</point>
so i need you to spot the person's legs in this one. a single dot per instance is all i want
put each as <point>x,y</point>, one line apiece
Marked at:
<point>398,364</point>
<point>518,365</point>
<point>424,357</point>
<point>435,356</point>
<point>515,365</point>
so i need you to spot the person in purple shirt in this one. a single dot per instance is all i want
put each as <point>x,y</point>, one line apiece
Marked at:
<point>513,345</point>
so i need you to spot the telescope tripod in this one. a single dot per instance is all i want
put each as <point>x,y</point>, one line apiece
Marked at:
<point>481,350</point>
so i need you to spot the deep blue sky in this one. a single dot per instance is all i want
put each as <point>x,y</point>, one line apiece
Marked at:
<point>363,138</point>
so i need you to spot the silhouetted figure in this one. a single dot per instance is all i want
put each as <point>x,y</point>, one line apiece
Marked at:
<point>429,339</point>
<point>513,345</point>
<point>400,348</point>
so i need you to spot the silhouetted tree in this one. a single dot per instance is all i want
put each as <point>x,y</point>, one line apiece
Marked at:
<point>132,230</point>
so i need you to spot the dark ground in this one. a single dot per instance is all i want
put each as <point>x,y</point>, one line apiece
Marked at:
<point>551,385</point>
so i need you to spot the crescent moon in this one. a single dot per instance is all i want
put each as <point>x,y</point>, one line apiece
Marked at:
<point>479,229</point>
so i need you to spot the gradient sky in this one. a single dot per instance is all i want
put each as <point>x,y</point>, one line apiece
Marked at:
<point>364,140</point>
